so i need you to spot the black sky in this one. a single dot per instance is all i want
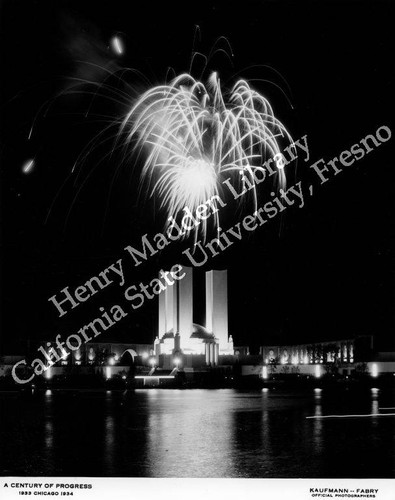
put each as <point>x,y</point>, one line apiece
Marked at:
<point>325,272</point>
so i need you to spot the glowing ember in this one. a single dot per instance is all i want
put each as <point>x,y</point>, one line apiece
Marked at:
<point>28,166</point>
<point>117,45</point>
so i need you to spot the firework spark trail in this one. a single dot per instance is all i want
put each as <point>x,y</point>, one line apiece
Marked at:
<point>193,135</point>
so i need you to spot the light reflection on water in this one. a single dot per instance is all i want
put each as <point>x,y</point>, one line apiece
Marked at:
<point>375,405</point>
<point>317,422</point>
<point>109,432</point>
<point>49,422</point>
<point>183,433</point>
<point>198,433</point>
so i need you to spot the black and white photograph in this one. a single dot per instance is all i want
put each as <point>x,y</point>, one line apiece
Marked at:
<point>197,249</point>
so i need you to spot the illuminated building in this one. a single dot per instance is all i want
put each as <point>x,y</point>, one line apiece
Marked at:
<point>177,333</point>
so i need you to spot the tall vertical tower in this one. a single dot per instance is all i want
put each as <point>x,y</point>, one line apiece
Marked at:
<point>167,310</point>
<point>217,306</point>
<point>162,314</point>
<point>184,310</point>
<point>176,309</point>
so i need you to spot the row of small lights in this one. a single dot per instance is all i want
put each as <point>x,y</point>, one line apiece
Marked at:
<point>176,361</point>
<point>374,372</point>
<point>112,360</point>
<point>295,361</point>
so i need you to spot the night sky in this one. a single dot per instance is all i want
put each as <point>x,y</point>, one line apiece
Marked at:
<point>321,272</point>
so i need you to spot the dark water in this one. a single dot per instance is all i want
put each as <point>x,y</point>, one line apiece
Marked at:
<point>198,433</point>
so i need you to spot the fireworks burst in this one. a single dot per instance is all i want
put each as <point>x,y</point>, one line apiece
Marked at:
<point>193,137</point>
